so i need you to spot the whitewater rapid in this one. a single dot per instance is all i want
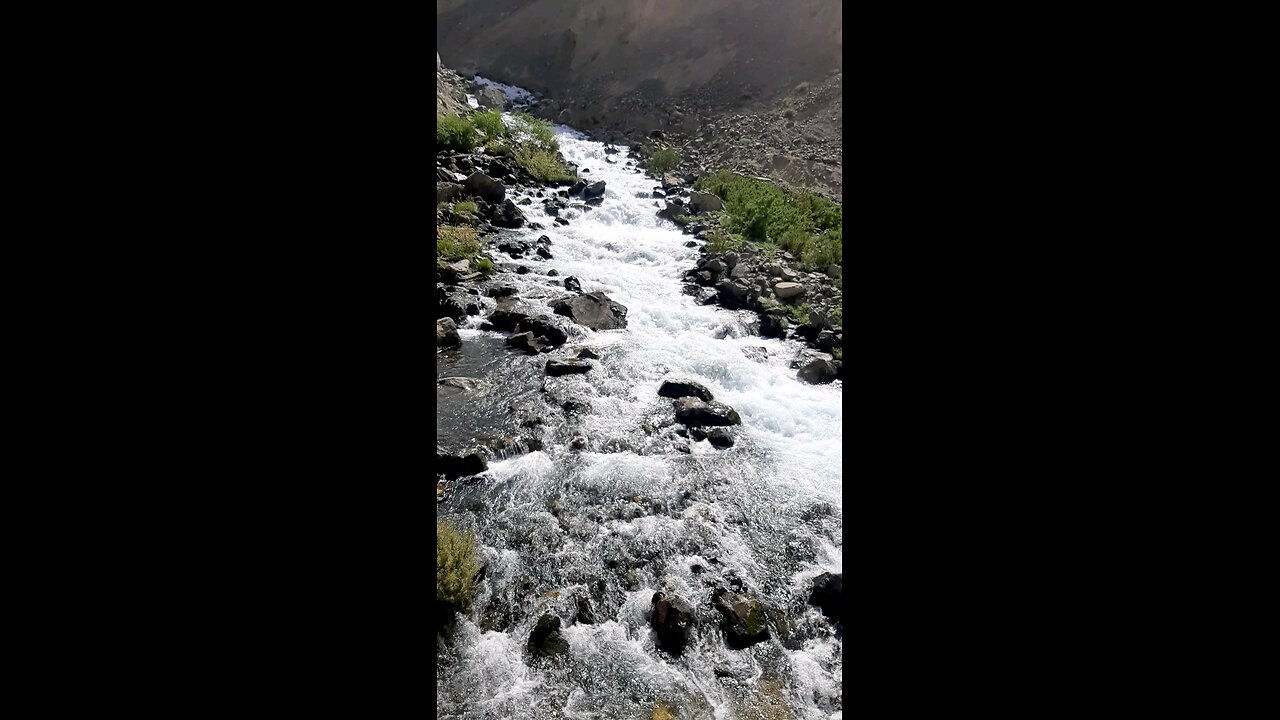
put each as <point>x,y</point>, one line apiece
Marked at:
<point>630,515</point>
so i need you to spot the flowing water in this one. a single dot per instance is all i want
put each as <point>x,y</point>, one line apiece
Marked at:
<point>629,513</point>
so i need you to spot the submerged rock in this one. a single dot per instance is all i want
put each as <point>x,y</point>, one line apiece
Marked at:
<point>673,620</point>
<point>460,463</point>
<point>817,372</point>
<point>694,413</point>
<point>828,595</point>
<point>720,437</point>
<point>556,368</point>
<point>684,388</point>
<point>572,283</point>
<point>744,621</point>
<point>545,640</point>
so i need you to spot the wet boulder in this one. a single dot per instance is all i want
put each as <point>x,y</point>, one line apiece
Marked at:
<point>828,595</point>
<point>595,189</point>
<point>695,413</point>
<point>572,283</point>
<point>684,388</point>
<point>524,341</point>
<point>455,302</point>
<point>556,368</point>
<point>817,372</point>
<point>673,620</point>
<point>507,315</point>
<point>507,215</point>
<point>447,334</point>
<point>787,290</point>
<point>744,621</point>
<point>544,327</point>
<point>485,187</point>
<point>772,326</point>
<point>545,640</point>
<point>594,310</point>
<point>720,437</point>
<point>460,463</point>
<point>489,96</point>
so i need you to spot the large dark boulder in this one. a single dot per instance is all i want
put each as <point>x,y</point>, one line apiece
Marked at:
<point>595,189</point>
<point>817,372</point>
<point>544,327</point>
<point>720,437</point>
<point>736,296</point>
<point>545,639</point>
<point>448,192</point>
<point>696,413</point>
<point>594,310</point>
<point>447,334</point>
<point>828,595</point>
<point>485,187</point>
<point>673,620</point>
<point>507,215</point>
<point>684,388</point>
<point>525,341</point>
<point>556,368</point>
<point>744,622</point>
<point>455,302</point>
<point>772,326</point>
<point>572,283</point>
<point>507,316</point>
<point>460,463</point>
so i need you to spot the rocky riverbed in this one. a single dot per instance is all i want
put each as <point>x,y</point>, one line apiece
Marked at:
<point>647,447</point>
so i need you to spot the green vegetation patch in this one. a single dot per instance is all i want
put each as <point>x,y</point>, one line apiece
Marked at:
<point>804,223</point>
<point>490,122</point>
<point>455,133</point>
<point>456,242</point>
<point>661,161</point>
<point>456,566</point>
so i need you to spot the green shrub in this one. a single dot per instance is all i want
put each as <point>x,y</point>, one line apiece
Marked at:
<point>804,223</point>
<point>720,241</point>
<point>499,147</point>
<point>484,265</point>
<point>541,163</point>
<point>466,207</point>
<point>539,132</point>
<point>456,242</point>
<point>455,133</point>
<point>662,161</point>
<point>490,121</point>
<point>456,566</point>
<point>823,251</point>
<point>837,317</point>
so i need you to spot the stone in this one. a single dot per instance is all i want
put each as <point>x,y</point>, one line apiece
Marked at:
<point>524,341</point>
<point>720,437</point>
<point>448,192</point>
<point>694,412</point>
<point>572,283</point>
<point>460,463</point>
<point>772,326</point>
<point>556,368</point>
<point>817,372</point>
<point>701,202</point>
<point>785,290</point>
<point>673,620</point>
<point>507,215</point>
<point>595,189</point>
<point>594,310</point>
<point>485,187</point>
<point>828,595</point>
<point>734,295</point>
<point>544,327</point>
<point>447,334</point>
<point>545,640</point>
<point>744,620</point>
<point>684,388</point>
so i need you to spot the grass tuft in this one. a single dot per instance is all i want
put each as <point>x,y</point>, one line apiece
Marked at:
<point>456,242</point>
<point>662,161</point>
<point>455,133</point>
<point>456,566</point>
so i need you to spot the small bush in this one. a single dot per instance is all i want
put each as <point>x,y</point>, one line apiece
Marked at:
<point>837,317</point>
<point>542,164</point>
<point>456,242</point>
<point>490,121</point>
<point>799,313</point>
<point>484,265</point>
<point>539,132</point>
<point>466,207</point>
<point>719,242</point>
<point>662,161</point>
<point>498,147</point>
<point>456,566</point>
<point>455,133</point>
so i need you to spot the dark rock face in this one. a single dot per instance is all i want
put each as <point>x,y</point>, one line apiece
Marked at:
<point>673,619</point>
<point>507,215</point>
<point>772,326</point>
<point>735,296</point>
<point>506,316</point>
<point>586,615</point>
<point>556,368</point>
<point>720,437</point>
<point>594,310</point>
<point>524,341</point>
<point>696,413</point>
<point>828,595</point>
<point>485,188</point>
<point>447,334</point>
<point>543,327</point>
<point>545,639</point>
<point>561,221</point>
<point>587,354</point>
<point>595,189</point>
<point>455,302</point>
<point>448,192</point>
<point>461,463</point>
<point>684,388</point>
<point>817,372</point>
<point>572,283</point>
<point>744,622</point>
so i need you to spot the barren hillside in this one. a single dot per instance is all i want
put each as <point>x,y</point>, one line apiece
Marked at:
<point>754,84</point>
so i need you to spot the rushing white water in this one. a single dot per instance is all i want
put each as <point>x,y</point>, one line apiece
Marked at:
<point>629,514</point>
